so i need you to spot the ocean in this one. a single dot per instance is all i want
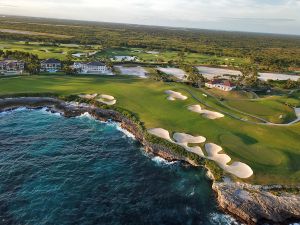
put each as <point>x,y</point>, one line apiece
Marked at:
<point>57,170</point>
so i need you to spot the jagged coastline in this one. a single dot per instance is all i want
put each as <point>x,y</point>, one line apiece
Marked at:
<point>252,204</point>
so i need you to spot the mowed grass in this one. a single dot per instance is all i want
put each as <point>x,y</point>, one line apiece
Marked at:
<point>269,109</point>
<point>44,52</point>
<point>273,152</point>
<point>166,56</point>
<point>275,109</point>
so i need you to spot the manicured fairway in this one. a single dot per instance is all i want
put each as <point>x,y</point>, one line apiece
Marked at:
<point>273,152</point>
<point>45,51</point>
<point>275,109</point>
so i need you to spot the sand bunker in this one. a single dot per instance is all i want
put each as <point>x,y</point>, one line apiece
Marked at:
<point>181,139</point>
<point>238,169</point>
<point>160,132</point>
<point>92,96</point>
<point>206,113</point>
<point>107,99</point>
<point>173,95</point>
<point>185,139</point>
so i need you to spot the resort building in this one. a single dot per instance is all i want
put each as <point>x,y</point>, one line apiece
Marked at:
<point>51,65</point>
<point>11,67</point>
<point>92,68</point>
<point>224,85</point>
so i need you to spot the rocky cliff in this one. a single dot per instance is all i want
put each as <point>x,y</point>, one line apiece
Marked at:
<point>257,204</point>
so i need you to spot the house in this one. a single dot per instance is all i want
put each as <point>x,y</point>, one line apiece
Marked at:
<point>92,68</point>
<point>11,67</point>
<point>224,85</point>
<point>51,65</point>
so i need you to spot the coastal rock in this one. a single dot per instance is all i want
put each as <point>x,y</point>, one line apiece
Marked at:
<point>256,204</point>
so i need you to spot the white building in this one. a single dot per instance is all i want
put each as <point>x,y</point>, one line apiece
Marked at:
<point>224,85</point>
<point>51,65</point>
<point>11,67</point>
<point>92,68</point>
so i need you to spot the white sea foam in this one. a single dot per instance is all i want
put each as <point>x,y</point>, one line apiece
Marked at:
<point>20,109</point>
<point>162,162</point>
<point>126,132</point>
<point>86,115</point>
<point>220,218</point>
<point>109,123</point>
<point>49,112</point>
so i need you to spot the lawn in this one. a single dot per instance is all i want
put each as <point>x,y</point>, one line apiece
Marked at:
<point>46,51</point>
<point>273,152</point>
<point>275,109</point>
<point>60,52</point>
<point>166,56</point>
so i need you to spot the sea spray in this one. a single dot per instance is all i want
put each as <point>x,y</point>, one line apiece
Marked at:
<point>162,162</point>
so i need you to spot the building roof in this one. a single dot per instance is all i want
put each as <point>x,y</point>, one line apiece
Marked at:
<point>96,64</point>
<point>227,83</point>
<point>51,61</point>
<point>10,62</point>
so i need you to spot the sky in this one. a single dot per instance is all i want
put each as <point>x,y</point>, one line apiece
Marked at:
<point>268,16</point>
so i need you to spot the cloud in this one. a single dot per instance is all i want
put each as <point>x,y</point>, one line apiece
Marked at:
<point>255,20</point>
<point>278,15</point>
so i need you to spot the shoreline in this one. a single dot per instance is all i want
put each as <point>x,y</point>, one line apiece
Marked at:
<point>252,204</point>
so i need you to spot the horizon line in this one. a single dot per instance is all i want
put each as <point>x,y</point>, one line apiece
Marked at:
<point>152,25</point>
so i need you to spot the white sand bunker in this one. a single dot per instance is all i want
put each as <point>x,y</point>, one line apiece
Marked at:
<point>238,169</point>
<point>107,99</point>
<point>92,96</point>
<point>160,132</point>
<point>173,95</point>
<point>185,139</point>
<point>206,113</point>
<point>181,139</point>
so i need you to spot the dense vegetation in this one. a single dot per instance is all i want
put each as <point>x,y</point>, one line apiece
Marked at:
<point>270,52</point>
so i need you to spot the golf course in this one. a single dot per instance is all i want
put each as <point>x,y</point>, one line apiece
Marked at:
<point>269,150</point>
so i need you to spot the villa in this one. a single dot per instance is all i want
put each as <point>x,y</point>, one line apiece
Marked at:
<point>224,85</point>
<point>51,65</point>
<point>11,67</point>
<point>92,68</point>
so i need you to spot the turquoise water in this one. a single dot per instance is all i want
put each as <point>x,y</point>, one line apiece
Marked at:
<point>55,170</point>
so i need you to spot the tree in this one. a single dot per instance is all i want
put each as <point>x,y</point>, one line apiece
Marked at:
<point>290,84</point>
<point>159,76</point>
<point>69,70</point>
<point>250,77</point>
<point>194,76</point>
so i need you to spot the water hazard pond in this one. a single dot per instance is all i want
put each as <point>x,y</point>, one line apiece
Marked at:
<point>55,170</point>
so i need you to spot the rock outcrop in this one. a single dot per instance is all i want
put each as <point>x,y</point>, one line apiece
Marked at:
<point>255,204</point>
